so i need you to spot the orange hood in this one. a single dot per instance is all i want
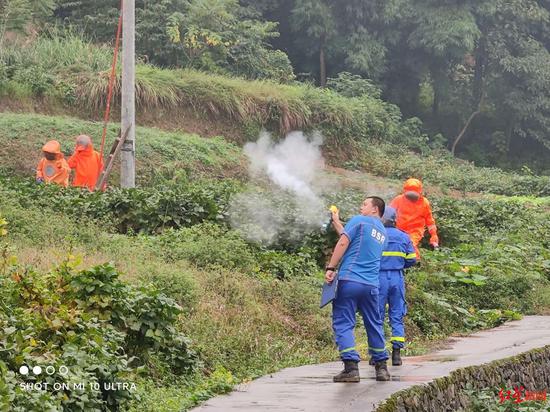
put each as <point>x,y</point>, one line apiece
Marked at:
<point>413,185</point>
<point>52,146</point>
<point>84,144</point>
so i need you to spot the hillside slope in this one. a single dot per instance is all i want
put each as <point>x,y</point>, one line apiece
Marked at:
<point>248,309</point>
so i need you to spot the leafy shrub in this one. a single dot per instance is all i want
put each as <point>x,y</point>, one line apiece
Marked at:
<point>89,321</point>
<point>130,210</point>
<point>207,244</point>
<point>175,282</point>
<point>36,78</point>
<point>284,265</point>
<point>352,85</point>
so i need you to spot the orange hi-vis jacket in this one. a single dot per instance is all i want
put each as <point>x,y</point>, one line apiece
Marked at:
<point>414,216</point>
<point>53,171</point>
<point>87,164</point>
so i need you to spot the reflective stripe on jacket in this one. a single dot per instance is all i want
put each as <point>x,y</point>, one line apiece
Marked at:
<point>399,252</point>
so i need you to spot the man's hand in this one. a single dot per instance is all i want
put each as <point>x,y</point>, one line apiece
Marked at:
<point>435,246</point>
<point>336,223</point>
<point>39,180</point>
<point>335,214</point>
<point>330,275</point>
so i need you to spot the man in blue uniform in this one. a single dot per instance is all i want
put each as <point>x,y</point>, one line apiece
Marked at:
<point>360,250</point>
<point>398,255</point>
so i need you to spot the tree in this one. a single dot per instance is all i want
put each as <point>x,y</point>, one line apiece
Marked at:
<point>512,70</point>
<point>220,34</point>
<point>316,20</point>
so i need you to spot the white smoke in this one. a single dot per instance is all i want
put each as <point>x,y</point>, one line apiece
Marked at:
<point>291,205</point>
<point>292,164</point>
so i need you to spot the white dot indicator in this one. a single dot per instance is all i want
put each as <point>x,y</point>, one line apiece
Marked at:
<point>50,370</point>
<point>24,370</point>
<point>37,370</point>
<point>63,370</point>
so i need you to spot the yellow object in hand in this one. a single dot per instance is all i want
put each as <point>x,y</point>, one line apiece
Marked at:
<point>333,208</point>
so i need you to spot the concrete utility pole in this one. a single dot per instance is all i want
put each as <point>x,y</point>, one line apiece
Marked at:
<point>128,115</point>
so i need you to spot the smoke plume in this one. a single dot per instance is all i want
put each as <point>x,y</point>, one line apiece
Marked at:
<point>289,202</point>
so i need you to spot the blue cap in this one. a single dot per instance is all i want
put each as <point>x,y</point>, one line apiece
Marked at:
<point>390,215</point>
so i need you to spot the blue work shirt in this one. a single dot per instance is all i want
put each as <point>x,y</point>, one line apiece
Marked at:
<point>361,262</point>
<point>399,252</point>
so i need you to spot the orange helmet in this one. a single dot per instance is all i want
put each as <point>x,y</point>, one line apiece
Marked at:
<point>413,185</point>
<point>52,146</point>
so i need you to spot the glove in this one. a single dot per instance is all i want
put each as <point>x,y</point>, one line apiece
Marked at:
<point>434,239</point>
<point>435,246</point>
<point>39,180</point>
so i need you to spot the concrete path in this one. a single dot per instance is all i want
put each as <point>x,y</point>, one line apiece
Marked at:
<point>310,388</point>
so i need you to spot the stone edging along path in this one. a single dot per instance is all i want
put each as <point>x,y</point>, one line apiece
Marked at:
<point>530,370</point>
<point>516,352</point>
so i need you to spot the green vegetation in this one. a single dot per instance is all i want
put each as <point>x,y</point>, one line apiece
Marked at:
<point>438,167</point>
<point>170,155</point>
<point>242,320</point>
<point>187,307</point>
<point>489,400</point>
<point>474,73</point>
<point>65,72</point>
<point>162,155</point>
<point>88,321</point>
<point>250,310</point>
<point>493,267</point>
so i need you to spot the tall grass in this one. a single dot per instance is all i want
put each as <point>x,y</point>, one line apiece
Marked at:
<point>59,54</point>
<point>78,72</point>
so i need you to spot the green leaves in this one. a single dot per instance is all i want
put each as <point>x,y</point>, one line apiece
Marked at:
<point>88,320</point>
<point>135,210</point>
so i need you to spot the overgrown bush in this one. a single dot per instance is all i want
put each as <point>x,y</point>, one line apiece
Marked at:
<point>102,330</point>
<point>130,210</point>
<point>206,245</point>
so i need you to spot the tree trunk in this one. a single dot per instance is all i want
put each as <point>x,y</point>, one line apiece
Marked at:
<point>322,64</point>
<point>437,78</point>
<point>463,131</point>
<point>478,87</point>
<point>470,119</point>
<point>479,70</point>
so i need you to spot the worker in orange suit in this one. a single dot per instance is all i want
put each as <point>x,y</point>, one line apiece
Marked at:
<point>414,214</point>
<point>86,162</point>
<point>53,167</point>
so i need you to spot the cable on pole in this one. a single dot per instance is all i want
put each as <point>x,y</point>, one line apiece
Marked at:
<point>112,80</point>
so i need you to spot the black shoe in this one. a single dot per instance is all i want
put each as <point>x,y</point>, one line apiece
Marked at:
<point>396,357</point>
<point>382,373</point>
<point>349,374</point>
<point>371,362</point>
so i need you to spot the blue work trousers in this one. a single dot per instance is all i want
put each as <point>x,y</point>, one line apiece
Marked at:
<point>392,293</point>
<point>353,296</point>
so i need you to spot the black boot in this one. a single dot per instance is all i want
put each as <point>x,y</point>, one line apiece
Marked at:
<point>396,357</point>
<point>382,373</point>
<point>349,374</point>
